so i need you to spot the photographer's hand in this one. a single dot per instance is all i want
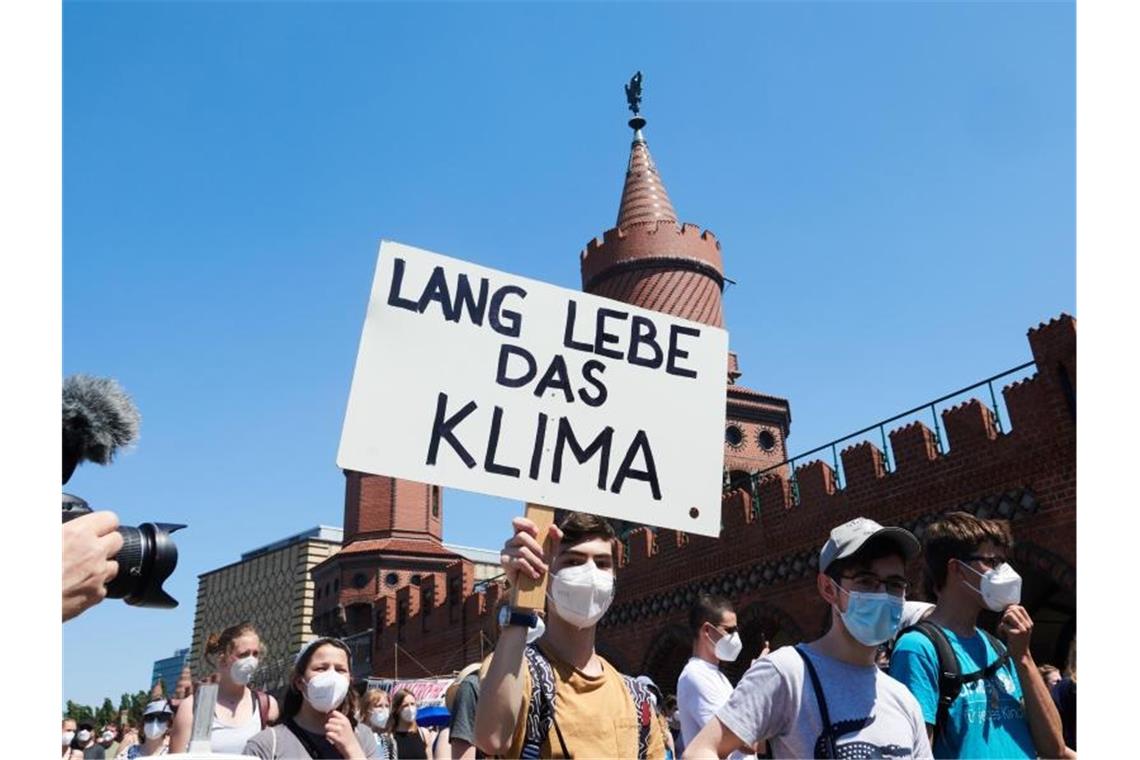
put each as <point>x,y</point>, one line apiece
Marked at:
<point>89,543</point>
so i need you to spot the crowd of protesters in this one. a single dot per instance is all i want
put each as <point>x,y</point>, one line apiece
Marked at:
<point>889,677</point>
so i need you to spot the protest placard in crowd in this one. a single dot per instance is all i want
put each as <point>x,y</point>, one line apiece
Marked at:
<point>476,379</point>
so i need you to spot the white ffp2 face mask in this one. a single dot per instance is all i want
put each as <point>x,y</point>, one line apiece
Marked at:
<point>379,718</point>
<point>242,670</point>
<point>84,736</point>
<point>68,737</point>
<point>582,593</point>
<point>152,729</point>
<point>408,714</point>
<point>728,648</point>
<point>326,690</point>
<point>1000,587</point>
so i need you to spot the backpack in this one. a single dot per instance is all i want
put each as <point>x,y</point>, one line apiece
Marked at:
<point>540,712</point>
<point>950,677</point>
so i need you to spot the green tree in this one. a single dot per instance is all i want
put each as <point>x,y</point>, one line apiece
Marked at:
<point>79,712</point>
<point>106,713</point>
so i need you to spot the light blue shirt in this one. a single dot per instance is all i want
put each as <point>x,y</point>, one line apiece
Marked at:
<point>987,720</point>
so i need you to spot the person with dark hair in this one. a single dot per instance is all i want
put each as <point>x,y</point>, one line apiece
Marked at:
<point>979,697</point>
<point>318,716</point>
<point>558,697</point>
<point>461,700</point>
<point>240,711</point>
<point>412,740</point>
<point>702,688</point>
<point>1064,695</point>
<point>826,698</point>
<point>85,742</point>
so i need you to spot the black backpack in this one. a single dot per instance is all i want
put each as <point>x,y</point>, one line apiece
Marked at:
<point>950,676</point>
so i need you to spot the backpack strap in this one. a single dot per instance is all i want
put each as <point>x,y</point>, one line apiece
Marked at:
<point>1000,662</point>
<point>540,711</point>
<point>644,709</point>
<point>262,707</point>
<point>828,735</point>
<point>949,671</point>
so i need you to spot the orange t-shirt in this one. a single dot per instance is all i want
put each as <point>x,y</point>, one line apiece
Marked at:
<point>595,713</point>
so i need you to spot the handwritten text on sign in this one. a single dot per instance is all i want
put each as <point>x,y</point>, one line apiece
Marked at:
<point>476,379</point>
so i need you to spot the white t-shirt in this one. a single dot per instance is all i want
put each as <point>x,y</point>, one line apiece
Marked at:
<point>873,714</point>
<point>701,690</point>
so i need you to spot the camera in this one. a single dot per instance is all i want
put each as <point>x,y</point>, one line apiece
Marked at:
<point>147,559</point>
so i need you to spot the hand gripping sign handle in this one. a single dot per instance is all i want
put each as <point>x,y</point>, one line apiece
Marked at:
<point>530,594</point>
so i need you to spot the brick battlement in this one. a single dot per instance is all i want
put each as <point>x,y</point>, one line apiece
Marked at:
<point>662,240</point>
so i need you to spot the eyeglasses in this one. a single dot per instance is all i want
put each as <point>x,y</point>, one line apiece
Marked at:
<point>992,560</point>
<point>869,583</point>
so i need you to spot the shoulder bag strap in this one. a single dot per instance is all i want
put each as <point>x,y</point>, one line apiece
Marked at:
<point>821,701</point>
<point>643,709</point>
<point>540,712</point>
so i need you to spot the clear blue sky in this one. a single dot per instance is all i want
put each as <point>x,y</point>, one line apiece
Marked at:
<point>893,185</point>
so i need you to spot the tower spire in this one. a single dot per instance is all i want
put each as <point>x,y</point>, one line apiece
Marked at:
<point>643,198</point>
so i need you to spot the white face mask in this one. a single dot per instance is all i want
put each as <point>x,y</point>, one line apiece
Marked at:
<point>1000,587</point>
<point>326,690</point>
<point>408,714</point>
<point>379,718</point>
<point>152,729</point>
<point>84,736</point>
<point>728,648</point>
<point>582,593</point>
<point>242,670</point>
<point>107,737</point>
<point>68,737</point>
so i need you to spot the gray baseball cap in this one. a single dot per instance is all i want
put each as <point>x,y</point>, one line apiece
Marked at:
<point>848,538</point>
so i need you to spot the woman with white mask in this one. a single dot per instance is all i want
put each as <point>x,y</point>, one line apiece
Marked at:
<point>375,710</point>
<point>240,711</point>
<point>412,740</point>
<point>318,717</point>
<point>157,718</point>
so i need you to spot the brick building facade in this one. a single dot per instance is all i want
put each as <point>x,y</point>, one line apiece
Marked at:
<point>773,526</point>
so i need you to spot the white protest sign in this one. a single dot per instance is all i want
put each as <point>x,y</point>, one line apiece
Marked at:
<point>476,379</point>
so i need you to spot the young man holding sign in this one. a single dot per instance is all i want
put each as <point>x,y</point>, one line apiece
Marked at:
<point>827,698</point>
<point>558,697</point>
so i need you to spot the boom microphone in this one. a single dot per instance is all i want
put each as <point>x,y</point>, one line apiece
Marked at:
<point>99,418</point>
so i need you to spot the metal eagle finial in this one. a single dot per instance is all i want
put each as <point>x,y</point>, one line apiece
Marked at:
<point>633,93</point>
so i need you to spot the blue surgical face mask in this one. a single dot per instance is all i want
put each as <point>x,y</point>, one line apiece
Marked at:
<point>871,618</point>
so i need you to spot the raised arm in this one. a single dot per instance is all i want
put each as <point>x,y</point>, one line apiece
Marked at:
<point>180,728</point>
<point>501,686</point>
<point>1040,712</point>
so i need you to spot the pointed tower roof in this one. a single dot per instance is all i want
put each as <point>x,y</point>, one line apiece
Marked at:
<point>643,199</point>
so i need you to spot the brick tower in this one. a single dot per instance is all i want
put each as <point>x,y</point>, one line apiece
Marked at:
<point>393,538</point>
<point>652,260</point>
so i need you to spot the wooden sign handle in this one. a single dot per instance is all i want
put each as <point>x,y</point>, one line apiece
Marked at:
<point>529,594</point>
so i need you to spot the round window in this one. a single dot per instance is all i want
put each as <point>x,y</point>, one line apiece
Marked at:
<point>766,440</point>
<point>360,580</point>
<point>391,579</point>
<point>733,436</point>
<point>416,579</point>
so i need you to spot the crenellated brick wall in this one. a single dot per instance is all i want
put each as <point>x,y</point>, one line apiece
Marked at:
<point>766,557</point>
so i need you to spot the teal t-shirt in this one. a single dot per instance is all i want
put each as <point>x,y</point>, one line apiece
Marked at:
<point>987,720</point>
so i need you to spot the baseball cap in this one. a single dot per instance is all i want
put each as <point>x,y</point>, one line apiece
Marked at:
<point>848,538</point>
